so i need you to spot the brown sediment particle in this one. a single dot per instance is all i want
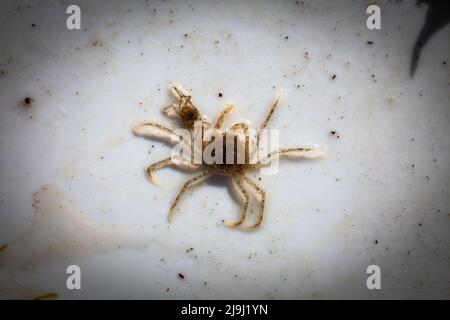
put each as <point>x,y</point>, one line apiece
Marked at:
<point>3,247</point>
<point>334,133</point>
<point>47,296</point>
<point>96,43</point>
<point>28,101</point>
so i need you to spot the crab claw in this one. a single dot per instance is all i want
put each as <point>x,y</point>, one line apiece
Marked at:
<point>178,91</point>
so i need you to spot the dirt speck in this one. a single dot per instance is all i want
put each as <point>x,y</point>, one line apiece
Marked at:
<point>181,276</point>
<point>27,101</point>
<point>96,43</point>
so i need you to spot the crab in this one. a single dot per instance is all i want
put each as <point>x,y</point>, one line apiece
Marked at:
<point>189,115</point>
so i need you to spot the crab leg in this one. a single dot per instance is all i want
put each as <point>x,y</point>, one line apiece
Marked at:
<point>163,163</point>
<point>160,128</point>
<point>221,118</point>
<point>307,152</point>
<point>266,121</point>
<point>233,223</point>
<point>170,110</point>
<point>262,201</point>
<point>188,184</point>
<point>179,92</point>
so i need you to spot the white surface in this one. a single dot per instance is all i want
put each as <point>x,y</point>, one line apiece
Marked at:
<point>322,216</point>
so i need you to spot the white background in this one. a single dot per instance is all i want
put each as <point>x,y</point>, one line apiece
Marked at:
<point>368,201</point>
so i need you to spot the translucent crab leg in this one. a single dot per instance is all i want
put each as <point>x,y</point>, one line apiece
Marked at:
<point>240,125</point>
<point>262,201</point>
<point>221,117</point>
<point>307,152</point>
<point>266,121</point>
<point>160,128</point>
<point>188,184</point>
<point>170,110</point>
<point>163,163</point>
<point>233,223</point>
<point>179,92</point>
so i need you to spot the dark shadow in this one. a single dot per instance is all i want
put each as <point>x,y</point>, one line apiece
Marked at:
<point>438,15</point>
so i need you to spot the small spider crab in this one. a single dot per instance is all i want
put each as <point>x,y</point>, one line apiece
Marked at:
<point>190,116</point>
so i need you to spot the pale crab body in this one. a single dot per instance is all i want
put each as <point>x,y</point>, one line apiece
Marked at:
<point>190,116</point>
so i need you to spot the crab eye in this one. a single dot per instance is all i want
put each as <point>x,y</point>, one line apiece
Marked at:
<point>190,114</point>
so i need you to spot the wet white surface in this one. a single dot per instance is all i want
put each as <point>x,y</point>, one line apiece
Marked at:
<point>379,196</point>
